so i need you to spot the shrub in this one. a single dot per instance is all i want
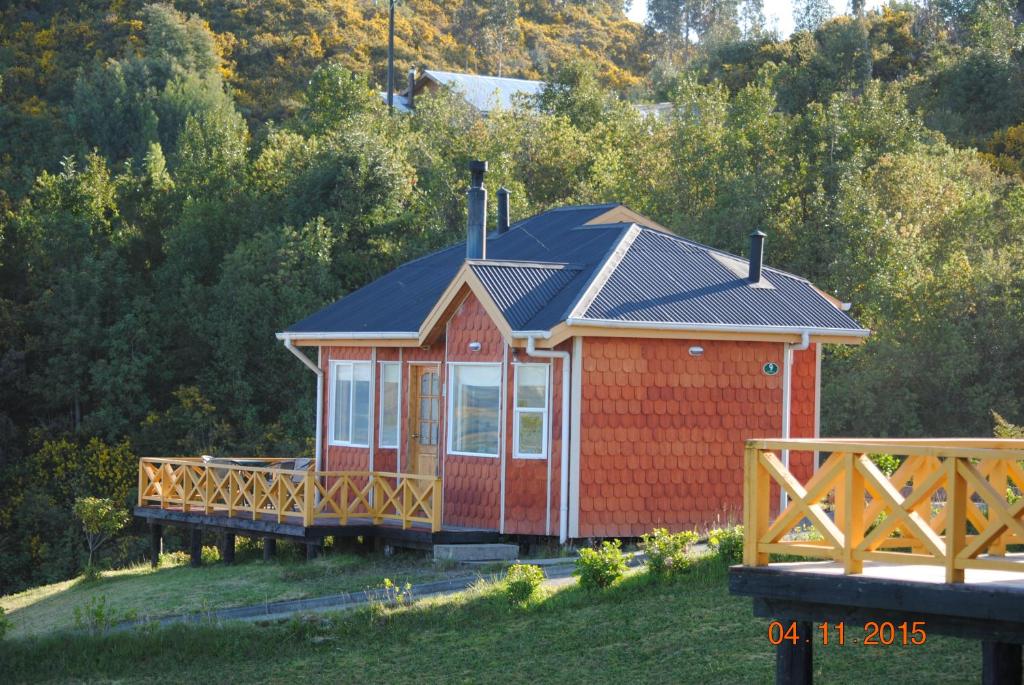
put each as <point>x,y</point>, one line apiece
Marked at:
<point>5,623</point>
<point>599,568</point>
<point>101,519</point>
<point>178,558</point>
<point>886,463</point>
<point>666,552</point>
<point>521,582</point>
<point>210,554</point>
<point>727,543</point>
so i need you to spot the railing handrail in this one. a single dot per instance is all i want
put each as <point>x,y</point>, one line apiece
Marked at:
<point>197,461</point>
<point>224,486</point>
<point>973,448</point>
<point>878,517</point>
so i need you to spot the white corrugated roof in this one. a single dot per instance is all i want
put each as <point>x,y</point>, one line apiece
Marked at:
<point>485,93</point>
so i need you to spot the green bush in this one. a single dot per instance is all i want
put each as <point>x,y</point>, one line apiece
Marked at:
<point>666,552</point>
<point>886,463</point>
<point>522,582</point>
<point>727,543</point>
<point>211,554</point>
<point>178,558</point>
<point>599,568</point>
<point>5,623</point>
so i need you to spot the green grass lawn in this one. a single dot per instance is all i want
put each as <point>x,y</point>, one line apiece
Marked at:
<point>688,630</point>
<point>143,592</point>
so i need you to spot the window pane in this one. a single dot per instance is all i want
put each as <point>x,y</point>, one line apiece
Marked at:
<point>475,404</point>
<point>361,404</point>
<point>390,383</point>
<point>342,402</point>
<point>531,433</point>
<point>532,386</point>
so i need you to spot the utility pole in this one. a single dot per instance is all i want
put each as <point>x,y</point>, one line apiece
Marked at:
<point>391,56</point>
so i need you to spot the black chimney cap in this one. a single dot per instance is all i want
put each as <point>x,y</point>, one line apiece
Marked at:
<point>477,168</point>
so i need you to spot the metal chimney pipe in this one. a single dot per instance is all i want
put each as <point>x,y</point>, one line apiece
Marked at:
<point>476,223</point>
<point>503,209</point>
<point>410,88</point>
<point>756,256</point>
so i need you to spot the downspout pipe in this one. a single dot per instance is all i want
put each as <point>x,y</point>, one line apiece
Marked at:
<point>787,398</point>
<point>319,398</point>
<point>563,497</point>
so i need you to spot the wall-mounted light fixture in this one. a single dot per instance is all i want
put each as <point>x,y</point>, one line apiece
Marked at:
<point>474,346</point>
<point>696,351</point>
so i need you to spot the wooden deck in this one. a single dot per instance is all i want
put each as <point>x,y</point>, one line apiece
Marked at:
<point>268,499</point>
<point>292,528</point>
<point>937,543</point>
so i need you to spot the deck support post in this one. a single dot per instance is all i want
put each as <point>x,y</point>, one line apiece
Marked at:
<point>196,546</point>
<point>269,548</point>
<point>156,537</point>
<point>794,662</point>
<point>312,549</point>
<point>1000,663</point>
<point>227,548</point>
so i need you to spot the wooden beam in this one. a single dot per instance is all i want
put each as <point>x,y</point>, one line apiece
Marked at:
<point>227,548</point>
<point>1000,663</point>
<point>196,546</point>
<point>269,548</point>
<point>794,661</point>
<point>156,537</point>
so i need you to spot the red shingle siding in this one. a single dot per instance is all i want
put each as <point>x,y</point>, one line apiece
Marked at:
<point>526,480</point>
<point>341,458</point>
<point>472,495</point>
<point>662,432</point>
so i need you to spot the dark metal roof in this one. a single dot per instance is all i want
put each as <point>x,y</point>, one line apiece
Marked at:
<point>399,301</point>
<point>551,263</point>
<point>522,289</point>
<point>667,279</point>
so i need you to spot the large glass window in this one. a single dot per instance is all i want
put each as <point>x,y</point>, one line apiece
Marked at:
<point>474,424</point>
<point>530,419</point>
<point>350,404</point>
<point>390,394</point>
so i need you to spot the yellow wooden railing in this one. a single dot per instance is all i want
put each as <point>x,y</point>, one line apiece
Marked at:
<point>194,485</point>
<point>951,502</point>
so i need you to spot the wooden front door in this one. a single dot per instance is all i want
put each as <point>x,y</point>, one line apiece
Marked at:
<point>424,418</point>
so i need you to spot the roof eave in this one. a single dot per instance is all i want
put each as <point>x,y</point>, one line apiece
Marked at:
<point>856,335</point>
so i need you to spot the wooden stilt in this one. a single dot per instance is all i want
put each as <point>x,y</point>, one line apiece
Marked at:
<point>227,548</point>
<point>793,662</point>
<point>1000,663</point>
<point>156,536</point>
<point>269,548</point>
<point>196,547</point>
<point>312,549</point>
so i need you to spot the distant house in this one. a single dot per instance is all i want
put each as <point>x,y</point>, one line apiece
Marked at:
<point>579,373</point>
<point>485,93</point>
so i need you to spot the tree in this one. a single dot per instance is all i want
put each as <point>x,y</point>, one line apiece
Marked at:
<point>809,15</point>
<point>751,19</point>
<point>101,519</point>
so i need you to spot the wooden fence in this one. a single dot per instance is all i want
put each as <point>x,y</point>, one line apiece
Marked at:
<point>954,503</point>
<point>238,490</point>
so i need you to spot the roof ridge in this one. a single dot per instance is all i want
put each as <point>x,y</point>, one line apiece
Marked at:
<point>602,272</point>
<point>526,264</point>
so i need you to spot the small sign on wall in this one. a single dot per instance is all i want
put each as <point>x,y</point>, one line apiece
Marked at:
<point>770,369</point>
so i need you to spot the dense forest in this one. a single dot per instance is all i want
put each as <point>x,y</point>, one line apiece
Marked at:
<point>178,182</point>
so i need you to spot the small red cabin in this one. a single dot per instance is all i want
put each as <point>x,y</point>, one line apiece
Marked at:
<point>581,373</point>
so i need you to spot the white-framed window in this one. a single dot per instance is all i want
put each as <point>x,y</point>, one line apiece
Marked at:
<point>474,410</point>
<point>350,404</point>
<point>390,403</point>
<point>530,411</point>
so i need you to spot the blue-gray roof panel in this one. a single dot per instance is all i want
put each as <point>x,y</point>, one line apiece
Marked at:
<point>663,278</point>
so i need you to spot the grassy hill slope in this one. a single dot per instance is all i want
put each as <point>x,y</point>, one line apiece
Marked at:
<point>639,631</point>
